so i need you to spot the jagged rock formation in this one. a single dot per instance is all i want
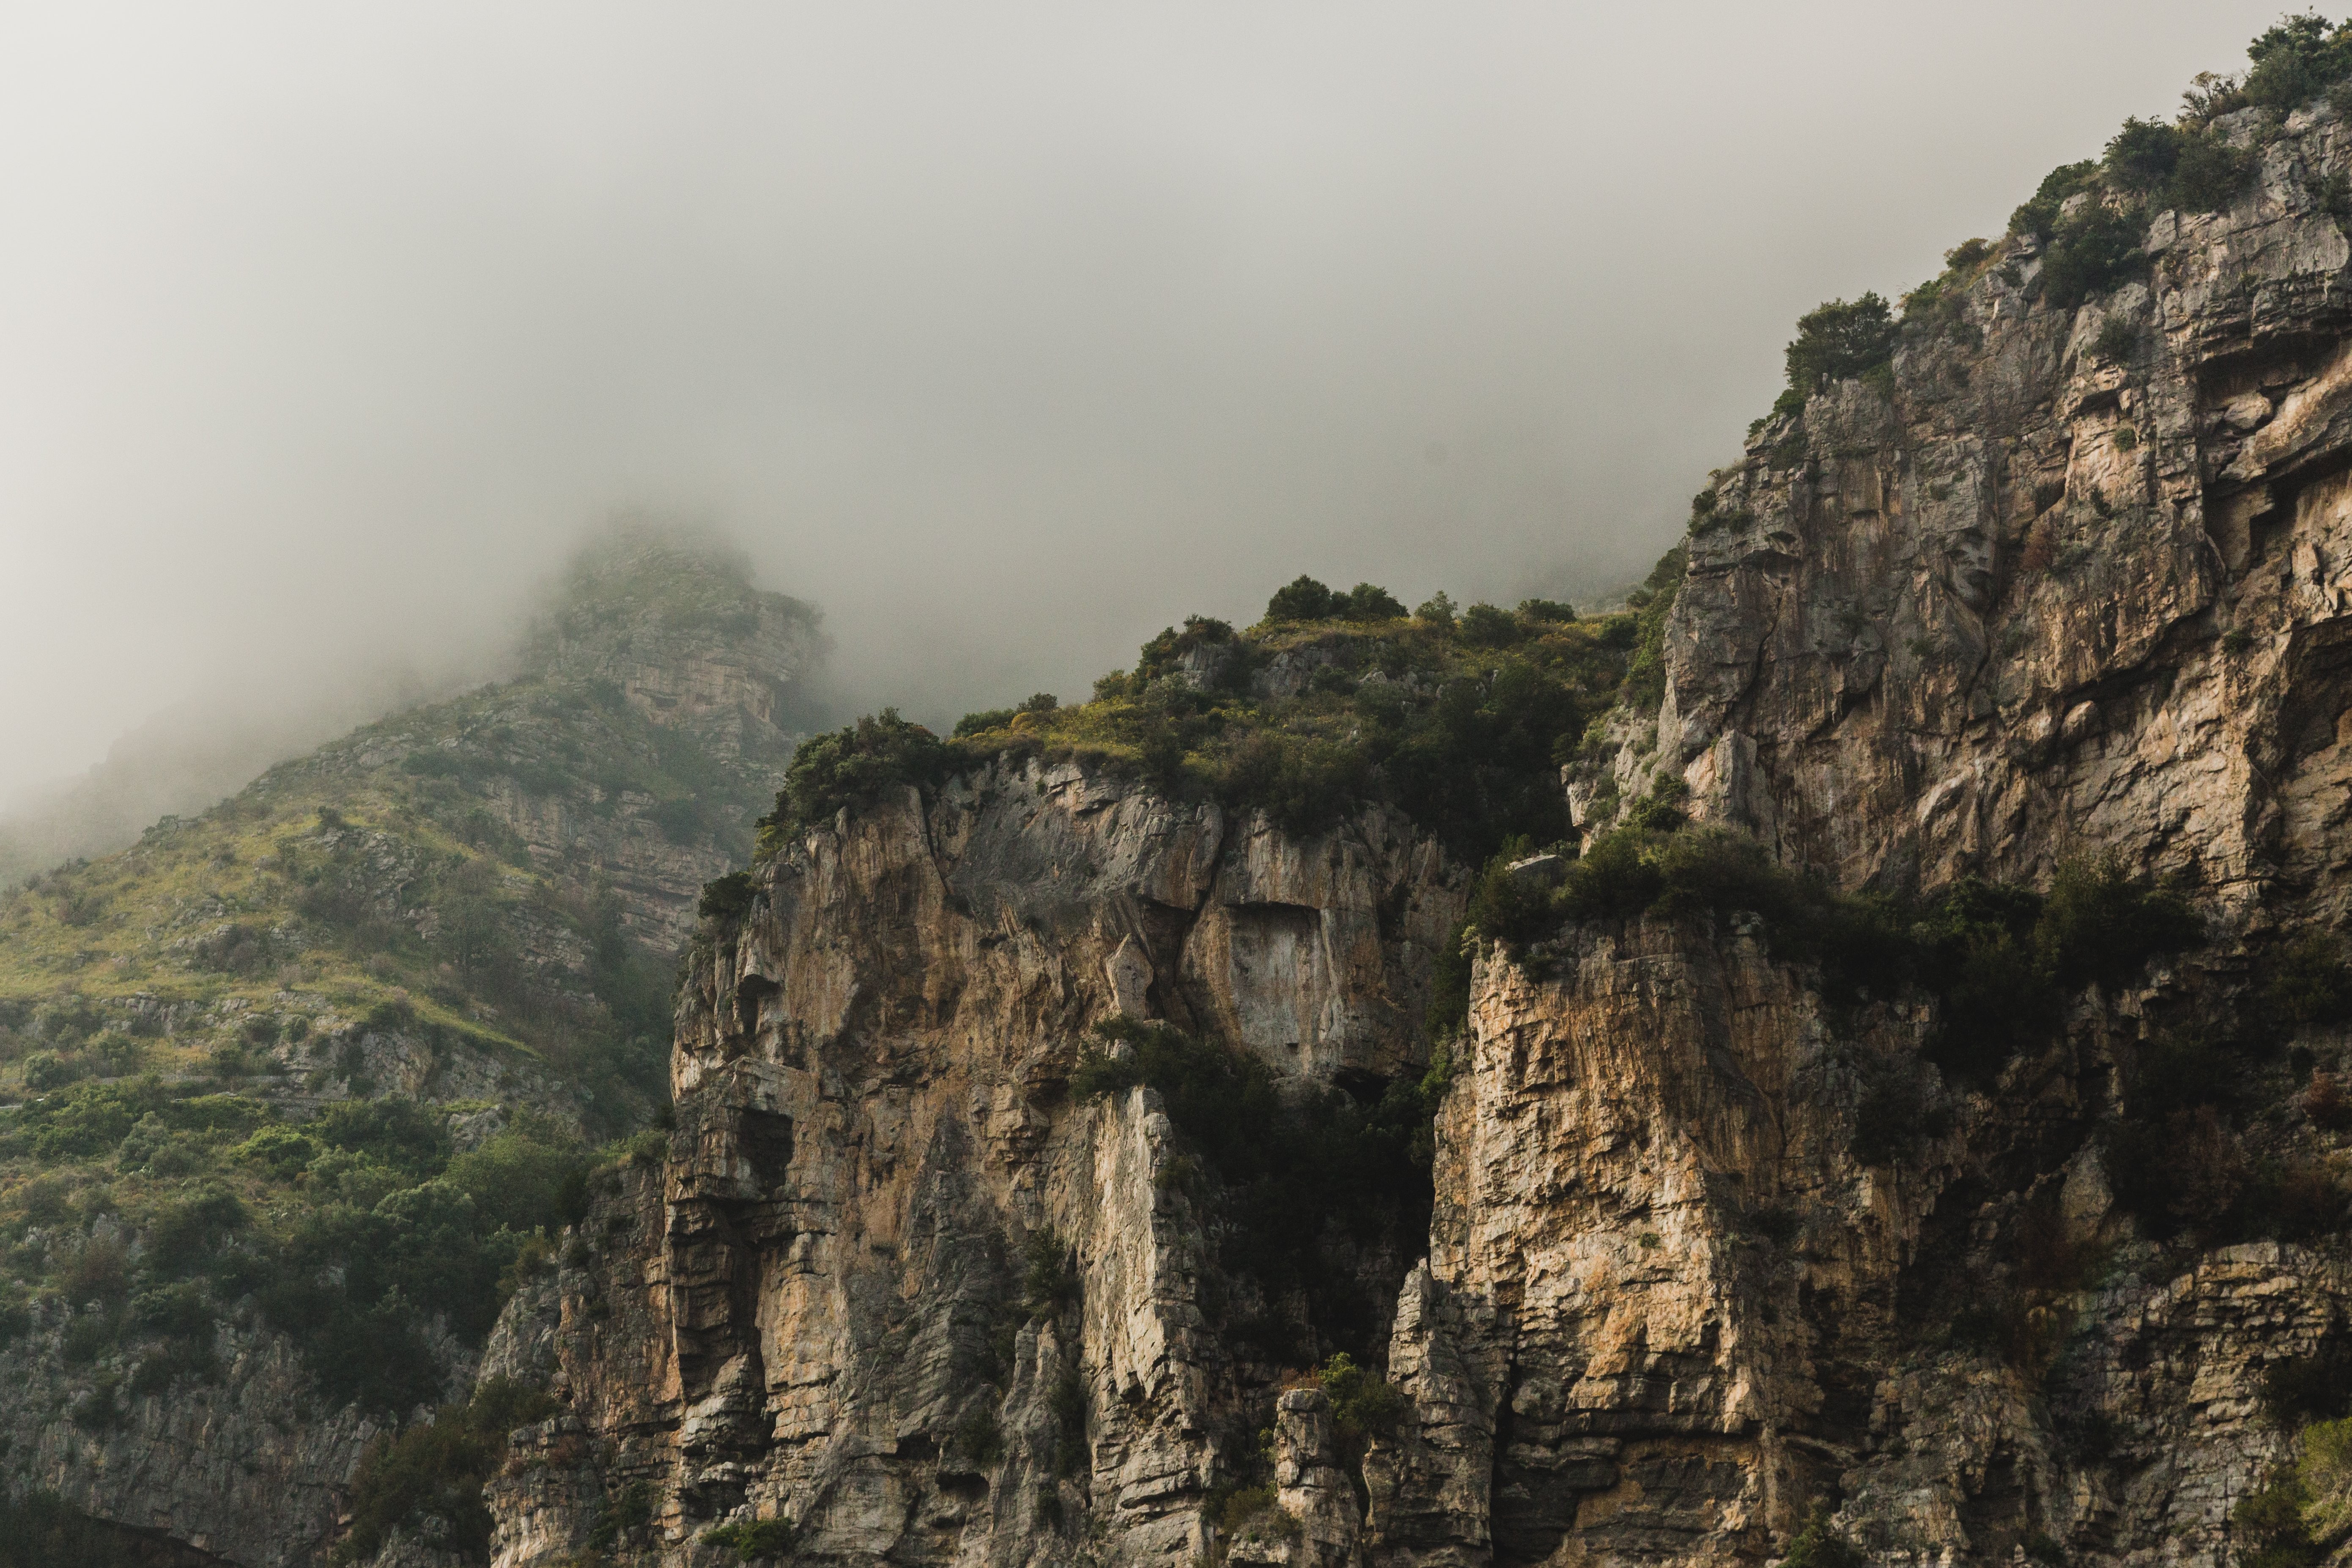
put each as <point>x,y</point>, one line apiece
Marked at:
<point>2054,592</point>
<point>874,1121</point>
<point>2069,580</point>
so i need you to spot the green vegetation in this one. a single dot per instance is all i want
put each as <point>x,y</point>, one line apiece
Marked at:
<point>1819,1546</point>
<point>855,767</point>
<point>349,1233</point>
<point>753,1539</point>
<point>1364,1404</point>
<point>1304,599</point>
<point>427,1480</point>
<point>1999,959</point>
<point>1461,721</point>
<point>1837,341</point>
<point>231,1056</point>
<point>2306,1506</point>
<point>1299,1181</point>
<point>1644,686</point>
<point>2117,341</point>
<point>2094,251</point>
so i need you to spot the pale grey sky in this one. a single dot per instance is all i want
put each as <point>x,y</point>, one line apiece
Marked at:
<point>1008,332</point>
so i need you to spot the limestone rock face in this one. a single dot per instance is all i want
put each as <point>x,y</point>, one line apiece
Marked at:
<point>1659,1320</point>
<point>805,1314</point>
<point>1716,1249</point>
<point>2049,594</point>
<point>1656,1275</point>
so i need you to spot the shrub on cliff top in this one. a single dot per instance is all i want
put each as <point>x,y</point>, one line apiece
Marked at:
<point>2295,60</point>
<point>1839,339</point>
<point>1304,599</point>
<point>1291,1161</point>
<point>1463,726</point>
<point>856,766</point>
<point>2096,250</point>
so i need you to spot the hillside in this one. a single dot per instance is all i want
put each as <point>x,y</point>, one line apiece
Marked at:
<point>371,1015</point>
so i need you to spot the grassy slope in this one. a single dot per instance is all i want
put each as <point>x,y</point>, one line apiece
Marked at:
<point>361,924</point>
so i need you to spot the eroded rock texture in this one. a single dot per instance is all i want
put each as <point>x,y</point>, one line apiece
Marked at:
<point>806,1315</point>
<point>2049,594</point>
<point>2077,580</point>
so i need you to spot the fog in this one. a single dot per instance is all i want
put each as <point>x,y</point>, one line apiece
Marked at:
<point>1007,332</point>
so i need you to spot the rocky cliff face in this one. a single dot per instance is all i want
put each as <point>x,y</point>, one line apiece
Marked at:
<point>2072,577</point>
<point>2068,579</point>
<point>805,1317</point>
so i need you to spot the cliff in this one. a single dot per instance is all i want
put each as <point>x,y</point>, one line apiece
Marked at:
<point>1929,1186</point>
<point>827,1307</point>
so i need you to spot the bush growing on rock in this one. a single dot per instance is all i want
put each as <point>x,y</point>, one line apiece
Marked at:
<point>427,1480</point>
<point>755,1539</point>
<point>855,767</point>
<point>1838,341</point>
<point>1287,1163</point>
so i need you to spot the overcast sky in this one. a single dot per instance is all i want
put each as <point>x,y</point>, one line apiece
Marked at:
<point>1007,332</point>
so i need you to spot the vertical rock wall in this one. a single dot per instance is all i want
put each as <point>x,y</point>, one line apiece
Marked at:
<point>813,1312</point>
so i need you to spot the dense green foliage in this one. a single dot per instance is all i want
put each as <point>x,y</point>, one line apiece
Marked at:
<point>1304,599</point>
<point>1835,341</point>
<point>426,1480</point>
<point>2094,251</point>
<point>856,766</point>
<point>348,1233</point>
<point>1300,1178</point>
<point>2305,1508</point>
<point>1461,721</point>
<point>1364,1404</point>
<point>2291,62</point>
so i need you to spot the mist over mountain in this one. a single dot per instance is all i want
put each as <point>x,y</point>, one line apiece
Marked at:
<point>1007,335</point>
<point>1100,926</point>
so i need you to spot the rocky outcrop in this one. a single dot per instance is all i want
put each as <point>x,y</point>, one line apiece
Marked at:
<point>2073,578</point>
<point>819,1315</point>
<point>1668,1309</point>
<point>1657,1275</point>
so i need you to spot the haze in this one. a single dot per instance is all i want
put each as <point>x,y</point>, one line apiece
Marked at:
<point>1008,333</point>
